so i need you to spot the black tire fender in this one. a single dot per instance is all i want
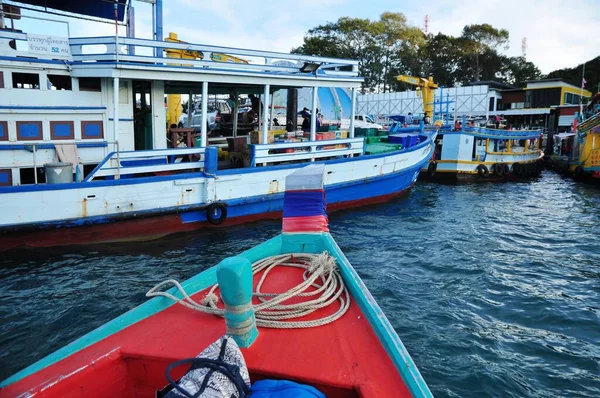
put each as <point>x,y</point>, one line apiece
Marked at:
<point>517,169</point>
<point>482,170</point>
<point>432,168</point>
<point>212,214</point>
<point>498,169</point>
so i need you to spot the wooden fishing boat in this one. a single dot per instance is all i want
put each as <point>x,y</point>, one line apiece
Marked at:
<point>318,325</point>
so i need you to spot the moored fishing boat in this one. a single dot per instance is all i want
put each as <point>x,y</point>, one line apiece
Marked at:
<point>577,154</point>
<point>483,154</point>
<point>318,325</point>
<point>101,112</point>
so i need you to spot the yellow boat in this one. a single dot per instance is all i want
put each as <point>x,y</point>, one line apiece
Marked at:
<point>577,154</point>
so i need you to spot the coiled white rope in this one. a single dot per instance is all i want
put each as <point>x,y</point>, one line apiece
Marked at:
<point>320,272</point>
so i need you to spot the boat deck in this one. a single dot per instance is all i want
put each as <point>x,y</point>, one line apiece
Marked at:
<point>344,358</point>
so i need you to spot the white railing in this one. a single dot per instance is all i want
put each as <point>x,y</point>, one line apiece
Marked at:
<point>129,48</point>
<point>117,164</point>
<point>273,62</point>
<point>264,155</point>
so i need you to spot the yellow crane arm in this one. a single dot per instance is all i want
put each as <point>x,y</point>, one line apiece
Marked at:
<point>426,86</point>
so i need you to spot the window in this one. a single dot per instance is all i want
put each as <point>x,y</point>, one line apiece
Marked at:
<point>572,99</point>
<point>3,131</point>
<point>90,84</point>
<point>62,130</point>
<point>27,175</point>
<point>26,80</point>
<point>92,130</point>
<point>527,99</point>
<point>491,106</point>
<point>29,131</point>
<point>5,178</point>
<point>124,92</point>
<point>1,79</point>
<point>59,82</point>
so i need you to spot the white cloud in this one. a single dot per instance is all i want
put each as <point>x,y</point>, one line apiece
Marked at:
<point>559,33</point>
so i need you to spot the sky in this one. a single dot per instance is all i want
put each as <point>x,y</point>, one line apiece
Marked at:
<point>560,33</point>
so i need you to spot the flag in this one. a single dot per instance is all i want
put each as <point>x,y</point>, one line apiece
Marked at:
<point>583,82</point>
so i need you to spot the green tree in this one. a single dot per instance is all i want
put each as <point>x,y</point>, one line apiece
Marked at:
<point>519,70</point>
<point>441,59</point>
<point>384,48</point>
<point>347,38</point>
<point>479,43</point>
<point>400,44</point>
<point>390,46</point>
<point>574,75</point>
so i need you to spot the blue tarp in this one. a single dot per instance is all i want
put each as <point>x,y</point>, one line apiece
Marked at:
<point>92,8</point>
<point>283,389</point>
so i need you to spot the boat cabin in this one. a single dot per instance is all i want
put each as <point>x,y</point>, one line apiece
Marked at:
<point>102,104</point>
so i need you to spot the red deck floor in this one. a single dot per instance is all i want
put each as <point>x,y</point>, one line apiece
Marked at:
<point>343,358</point>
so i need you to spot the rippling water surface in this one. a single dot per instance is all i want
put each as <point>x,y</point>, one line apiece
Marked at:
<point>493,288</point>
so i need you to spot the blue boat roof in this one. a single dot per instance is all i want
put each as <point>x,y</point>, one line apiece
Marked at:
<point>102,9</point>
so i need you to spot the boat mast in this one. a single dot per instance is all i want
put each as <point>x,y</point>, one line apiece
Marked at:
<point>581,93</point>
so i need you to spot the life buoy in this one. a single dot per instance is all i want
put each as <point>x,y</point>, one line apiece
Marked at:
<point>431,169</point>
<point>517,169</point>
<point>216,213</point>
<point>482,170</point>
<point>498,169</point>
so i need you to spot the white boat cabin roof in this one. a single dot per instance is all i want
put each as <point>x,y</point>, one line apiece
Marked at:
<point>83,59</point>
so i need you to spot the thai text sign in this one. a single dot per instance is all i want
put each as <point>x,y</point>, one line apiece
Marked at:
<point>48,45</point>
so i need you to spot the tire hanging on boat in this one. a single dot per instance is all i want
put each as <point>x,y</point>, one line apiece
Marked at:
<point>432,168</point>
<point>505,169</point>
<point>213,216</point>
<point>578,171</point>
<point>498,169</point>
<point>517,169</point>
<point>483,171</point>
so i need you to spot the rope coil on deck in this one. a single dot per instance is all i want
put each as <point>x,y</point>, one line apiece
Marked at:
<point>320,272</point>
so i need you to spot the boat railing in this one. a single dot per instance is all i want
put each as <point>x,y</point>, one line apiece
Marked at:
<point>269,154</point>
<point>503,134</point>
<point>157,161</point>
<point>209,57</point>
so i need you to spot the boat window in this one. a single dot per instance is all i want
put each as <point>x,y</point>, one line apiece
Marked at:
<point>26,80</point>
<point>27,175</point>
<point>1,79</point>
<point>90,84</point>
<point>59,82</point>
<point>368,119</point>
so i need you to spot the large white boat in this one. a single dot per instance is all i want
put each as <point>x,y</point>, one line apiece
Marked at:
<point>98,103</point>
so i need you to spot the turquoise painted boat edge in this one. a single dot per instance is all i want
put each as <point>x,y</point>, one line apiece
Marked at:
<point>192,285</point>
<point>285,243</point>
<point>379,322</point>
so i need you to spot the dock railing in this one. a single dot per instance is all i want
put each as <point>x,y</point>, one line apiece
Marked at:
<point>267,154</point>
